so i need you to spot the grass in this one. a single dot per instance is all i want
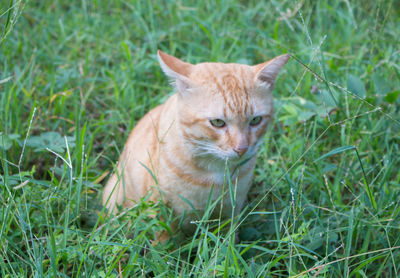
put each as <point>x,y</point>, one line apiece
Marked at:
<point>75,77</point>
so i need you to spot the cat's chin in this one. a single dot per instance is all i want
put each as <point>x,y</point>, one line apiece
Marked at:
<point>218,162</point>
<point>243,159</point>
<point>237,159</point>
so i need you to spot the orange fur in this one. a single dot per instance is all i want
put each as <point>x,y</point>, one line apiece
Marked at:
<point>178,142</point>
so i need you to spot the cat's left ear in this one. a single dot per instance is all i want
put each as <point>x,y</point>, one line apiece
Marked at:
<point>267,72</point>
<point>177,70</point>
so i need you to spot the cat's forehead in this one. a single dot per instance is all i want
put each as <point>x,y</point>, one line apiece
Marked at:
<point>230,90</point>
<point>222,73</point>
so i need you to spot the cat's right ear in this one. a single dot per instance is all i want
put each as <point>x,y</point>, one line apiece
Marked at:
<point>267,72</point>
<point>177,70</point>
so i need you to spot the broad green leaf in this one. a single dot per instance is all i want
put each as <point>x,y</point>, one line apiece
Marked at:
<point>52,140</point>
<point>305,115</point>
<point>380,85</point>
<point>392,96</point>
<point>291,109</point>
<point>356,86</point>
<point>335,151</point>
<point>327,98</point>
<point>296,109</point>
<point>6,140</point>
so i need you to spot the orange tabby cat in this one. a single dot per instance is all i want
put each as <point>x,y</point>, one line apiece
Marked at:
<point>181,149</point>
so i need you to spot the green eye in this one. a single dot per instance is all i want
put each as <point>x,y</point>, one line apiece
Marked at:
<point>217,123</point>
<point>255,121</point>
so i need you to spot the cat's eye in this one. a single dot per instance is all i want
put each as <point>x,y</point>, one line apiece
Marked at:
<point>255,121</point>
<point>217,123</point>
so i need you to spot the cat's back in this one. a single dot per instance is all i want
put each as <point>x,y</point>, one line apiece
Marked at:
<point>131,180</point>
<point>146,129</point>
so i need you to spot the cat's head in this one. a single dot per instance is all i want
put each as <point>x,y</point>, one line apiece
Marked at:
<point>223,109</point>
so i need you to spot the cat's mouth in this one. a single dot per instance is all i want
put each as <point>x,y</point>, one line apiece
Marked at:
<point>241,159</point>
<point>241,162</point>
<point>213,153</point>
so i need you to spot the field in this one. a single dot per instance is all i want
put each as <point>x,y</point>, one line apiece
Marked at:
<point>76,76</point>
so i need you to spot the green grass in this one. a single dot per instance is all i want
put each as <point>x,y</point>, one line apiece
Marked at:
<point>75,77</point>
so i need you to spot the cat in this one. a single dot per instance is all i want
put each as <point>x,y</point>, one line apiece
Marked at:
<point>181,150</point>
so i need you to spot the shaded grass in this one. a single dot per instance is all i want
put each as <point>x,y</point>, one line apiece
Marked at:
<point>87,72</point>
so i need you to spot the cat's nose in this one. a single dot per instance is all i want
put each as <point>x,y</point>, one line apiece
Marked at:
<point>240,150</point>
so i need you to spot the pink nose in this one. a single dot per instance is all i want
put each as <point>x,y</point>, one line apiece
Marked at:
<point>241,150</point>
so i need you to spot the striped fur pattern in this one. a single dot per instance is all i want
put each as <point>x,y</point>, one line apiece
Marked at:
<point>181,149</point>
